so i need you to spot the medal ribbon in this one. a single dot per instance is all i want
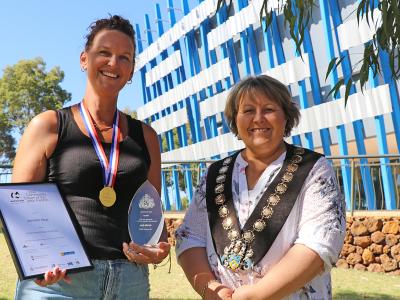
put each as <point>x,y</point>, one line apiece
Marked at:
<point>109,167</point>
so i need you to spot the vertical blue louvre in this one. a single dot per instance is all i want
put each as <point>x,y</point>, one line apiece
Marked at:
<point>280,56</point>
<point>228,47</point>
<point>169,134</point>
<point>180,77</point>
<point>252,43</point>
<point>194,67</point>
<point>157,92</point>
<point>145,90</point>
<point>394,96</point>
<point>386,171</point>
<point>147,98</point>
<point>210,123</point>
<point>341,132</point>
<point>227,50</point>
<point>153,62</point>
<point>357,125</point>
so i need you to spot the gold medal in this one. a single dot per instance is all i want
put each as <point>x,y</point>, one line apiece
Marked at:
<point>107,196</point>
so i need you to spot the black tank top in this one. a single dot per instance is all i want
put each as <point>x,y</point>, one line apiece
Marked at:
<point>76,168</point>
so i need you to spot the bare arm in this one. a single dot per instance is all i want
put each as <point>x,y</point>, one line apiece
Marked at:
<point>35,147</point>
<point>294,270</point>
<point>195,264</point>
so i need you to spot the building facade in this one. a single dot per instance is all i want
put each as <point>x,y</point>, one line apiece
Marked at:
<point>188,65</point>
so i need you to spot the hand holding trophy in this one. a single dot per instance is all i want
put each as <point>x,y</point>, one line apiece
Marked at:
<point>146,225</point>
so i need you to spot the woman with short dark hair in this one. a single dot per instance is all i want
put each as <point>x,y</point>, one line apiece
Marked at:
<point>63,146</point>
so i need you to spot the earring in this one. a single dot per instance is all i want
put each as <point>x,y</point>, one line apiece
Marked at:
<point>83,69</point>
<point>129,81</point>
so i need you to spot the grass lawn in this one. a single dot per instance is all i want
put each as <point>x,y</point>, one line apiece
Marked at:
<point>347,284</point>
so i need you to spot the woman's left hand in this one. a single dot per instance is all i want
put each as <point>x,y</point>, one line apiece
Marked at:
<point>146,254</point>
<point>244,292</point>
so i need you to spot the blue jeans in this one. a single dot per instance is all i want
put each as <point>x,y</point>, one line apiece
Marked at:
<point>110,279</point>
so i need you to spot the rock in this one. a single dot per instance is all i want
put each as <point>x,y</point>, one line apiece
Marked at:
<point>376,249</point>
<point>362,241</point>
<point>384,258</point>
<point>342,264</point>
<point>347,249</point>
<point>375,268</point>
<point>373,224</point>
<point>358,229</point>
<point>391,240</point>
<point>389,265</point>
<point>378,260</point>
<point>394,273</point>
<point>359,250</point>
<point>360,267</point>
<point>354,258</point>
<point>395,252</point>
<point>368,257</point>
<point>386,249</point>
<point>348,239</point>
<point>391,227</point>
<point>378,237</point>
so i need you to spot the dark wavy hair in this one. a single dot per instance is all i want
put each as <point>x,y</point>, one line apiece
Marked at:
<point>114,22</point>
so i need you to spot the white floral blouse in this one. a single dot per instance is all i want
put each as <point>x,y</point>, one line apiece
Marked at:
<point>317,220</point>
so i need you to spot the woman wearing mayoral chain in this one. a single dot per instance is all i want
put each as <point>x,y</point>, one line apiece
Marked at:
<point>267,222</point>
<point>99,157</point>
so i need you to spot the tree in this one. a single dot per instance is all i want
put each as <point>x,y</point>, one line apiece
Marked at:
<point>27,89</point>
<point>386,40</point>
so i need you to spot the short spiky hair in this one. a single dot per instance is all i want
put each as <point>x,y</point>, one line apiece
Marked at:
<point>112,23</point>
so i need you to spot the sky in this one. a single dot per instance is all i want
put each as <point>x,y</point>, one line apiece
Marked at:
<point>56,30</point>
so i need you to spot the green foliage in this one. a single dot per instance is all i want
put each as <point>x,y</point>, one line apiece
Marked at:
<point>27,89</point>
<point>130,112</point>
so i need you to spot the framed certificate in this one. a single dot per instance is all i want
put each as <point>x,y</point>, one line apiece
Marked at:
<point>39,230</point>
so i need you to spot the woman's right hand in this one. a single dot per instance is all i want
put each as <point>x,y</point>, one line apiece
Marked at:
<point>53,276</point>
<point>218,291</point>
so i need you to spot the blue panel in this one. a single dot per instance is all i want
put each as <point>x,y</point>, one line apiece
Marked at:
<point>252,43</point>
<point>145,90</point>
<point>169,134</point>
<point>357,125</point>
<point>194,67</point>
<point>341,132</point>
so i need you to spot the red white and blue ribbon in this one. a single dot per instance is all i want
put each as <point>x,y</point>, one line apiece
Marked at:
<point>109,167</point>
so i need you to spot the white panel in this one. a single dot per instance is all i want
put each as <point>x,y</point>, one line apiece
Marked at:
<point>182,27</point>
<point>291,71</point>
<point>206,149</point>
<point>165,67</point>
<point>171,121</point>
<point>373,102</point>
<point>352,34</point>
<point>213,105</point>
<point>191,86</point>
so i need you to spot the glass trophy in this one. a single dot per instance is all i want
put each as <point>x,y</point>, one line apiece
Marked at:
<point>145,217</point>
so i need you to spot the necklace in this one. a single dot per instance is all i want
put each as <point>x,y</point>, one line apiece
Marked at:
<point>239,253</point>
<point>105,128</point>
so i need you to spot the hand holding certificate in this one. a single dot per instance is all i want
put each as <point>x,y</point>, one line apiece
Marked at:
<point>146,224</point>
<point>39,231</point>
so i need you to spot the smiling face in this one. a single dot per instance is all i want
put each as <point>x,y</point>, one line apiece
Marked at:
<point>109,62</point>
<point>260,123</point>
